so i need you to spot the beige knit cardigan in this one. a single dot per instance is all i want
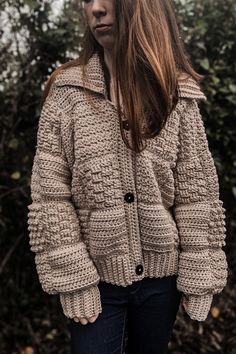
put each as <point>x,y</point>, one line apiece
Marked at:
<point>100,211</point>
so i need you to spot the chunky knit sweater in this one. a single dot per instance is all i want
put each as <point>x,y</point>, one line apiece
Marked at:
<point>100,211</point>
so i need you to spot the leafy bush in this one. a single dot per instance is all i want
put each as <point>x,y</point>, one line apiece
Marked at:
<point>208,28</point>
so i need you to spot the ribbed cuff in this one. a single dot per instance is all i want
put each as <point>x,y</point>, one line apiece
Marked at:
<point>82,303</point>
<point>198,306</point>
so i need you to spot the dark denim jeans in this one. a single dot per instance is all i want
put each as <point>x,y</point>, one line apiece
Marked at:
<point>149,307</point>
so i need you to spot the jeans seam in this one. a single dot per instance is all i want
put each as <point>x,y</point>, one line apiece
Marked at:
<point>122,341</point>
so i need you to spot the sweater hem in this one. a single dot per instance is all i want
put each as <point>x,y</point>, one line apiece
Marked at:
<point>118,270</point>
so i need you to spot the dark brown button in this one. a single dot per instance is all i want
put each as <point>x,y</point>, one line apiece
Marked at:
<point>139,269</point>
<point>126,124</point>
<point>129,197</point>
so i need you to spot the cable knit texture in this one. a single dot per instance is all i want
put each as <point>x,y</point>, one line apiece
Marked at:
<point>100,211</point>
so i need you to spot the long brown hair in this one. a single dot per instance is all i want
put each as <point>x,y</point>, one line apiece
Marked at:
<point>148,59</point>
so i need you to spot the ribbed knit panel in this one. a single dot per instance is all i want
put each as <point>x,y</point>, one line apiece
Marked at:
<point>115,270</point>
<point>198,307</point>
<point>84,303</point>
<point>160,264</point>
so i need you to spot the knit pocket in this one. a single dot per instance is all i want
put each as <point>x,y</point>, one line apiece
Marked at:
<point>107,234</point>
<point>157,232</point>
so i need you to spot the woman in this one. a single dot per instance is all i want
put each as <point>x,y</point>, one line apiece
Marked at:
<point>126,221</point>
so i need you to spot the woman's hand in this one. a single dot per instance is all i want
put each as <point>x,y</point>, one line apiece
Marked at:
<point>184,302</point>
<point>84,320</point>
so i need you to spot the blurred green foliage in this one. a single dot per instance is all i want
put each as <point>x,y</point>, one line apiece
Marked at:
<point>33,42</point>
<point>209,30</point>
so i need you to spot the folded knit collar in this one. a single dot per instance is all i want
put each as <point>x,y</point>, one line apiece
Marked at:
<point>73,76</point>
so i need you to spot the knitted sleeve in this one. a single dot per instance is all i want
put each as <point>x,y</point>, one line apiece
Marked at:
<point>200,217</point>
<point>62,261</point>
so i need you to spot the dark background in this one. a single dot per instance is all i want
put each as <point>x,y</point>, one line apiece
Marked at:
<point>33,42</point>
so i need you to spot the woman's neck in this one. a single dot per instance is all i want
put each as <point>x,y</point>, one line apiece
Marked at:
<point>108,61</point>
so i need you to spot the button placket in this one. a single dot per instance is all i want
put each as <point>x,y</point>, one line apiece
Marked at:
<point>126,164</point>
